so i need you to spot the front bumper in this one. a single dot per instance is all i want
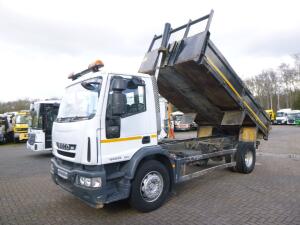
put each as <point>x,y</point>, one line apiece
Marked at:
<point>37,147</point>
<point>280,122</point>
<point>21,136</point>
<point>95,197</point>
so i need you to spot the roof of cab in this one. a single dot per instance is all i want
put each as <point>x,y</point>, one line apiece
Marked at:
<point>105,73</point>
<point>47,101</point>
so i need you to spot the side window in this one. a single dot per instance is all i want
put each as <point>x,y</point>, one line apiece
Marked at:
<point>126,98</point>
<point>135,98</point>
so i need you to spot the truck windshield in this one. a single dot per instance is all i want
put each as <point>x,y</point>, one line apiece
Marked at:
<point>292,116</point>
<point>80,101</point>
<point>187,119</point>
<point>280,114</point>
<point>178,117</point>
<point>22,119</point>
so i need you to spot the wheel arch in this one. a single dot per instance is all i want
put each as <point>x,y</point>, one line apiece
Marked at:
<point>149,153</point>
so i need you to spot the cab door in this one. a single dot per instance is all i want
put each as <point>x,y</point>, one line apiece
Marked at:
<point>133,127</point>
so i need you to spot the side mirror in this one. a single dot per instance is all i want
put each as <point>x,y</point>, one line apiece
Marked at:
<point>113,131</point>
<point>135,82</point>
<point>118,103</point>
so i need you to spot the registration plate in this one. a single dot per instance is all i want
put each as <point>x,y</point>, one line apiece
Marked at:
<point>63,174</point>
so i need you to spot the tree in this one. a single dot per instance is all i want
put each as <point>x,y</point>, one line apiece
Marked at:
<point>22,104</point>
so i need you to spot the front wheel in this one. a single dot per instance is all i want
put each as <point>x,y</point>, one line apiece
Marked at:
<point>150,186</point>
<point>245,158</point>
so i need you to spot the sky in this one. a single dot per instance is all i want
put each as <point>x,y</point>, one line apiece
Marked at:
<point>42,42</point>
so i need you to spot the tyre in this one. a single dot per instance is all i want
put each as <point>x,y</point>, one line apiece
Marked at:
<point>245,157</point>
<point>150,187</point>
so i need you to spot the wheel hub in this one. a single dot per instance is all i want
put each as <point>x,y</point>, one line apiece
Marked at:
<point>249,159</point>
<point>151,186</point>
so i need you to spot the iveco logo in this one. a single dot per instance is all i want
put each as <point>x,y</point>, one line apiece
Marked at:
<point>65,146</point>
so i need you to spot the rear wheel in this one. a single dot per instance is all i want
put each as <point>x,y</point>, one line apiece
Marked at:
<point>245,158</point>
<point>150,186</point>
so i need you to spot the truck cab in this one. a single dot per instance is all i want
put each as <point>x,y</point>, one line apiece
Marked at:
<point>184,122</point>
<point>291,117</point>
<point>272,115</point>
<point>104,119</point>
<point>297,119</point>
<point>90,130</point>
<point>43,114</point>
<point>282,116</point>
<point>21,123</point>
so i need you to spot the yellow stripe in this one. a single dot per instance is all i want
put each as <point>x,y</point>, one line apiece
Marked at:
<point>125,139</point>
<point>235,91</point>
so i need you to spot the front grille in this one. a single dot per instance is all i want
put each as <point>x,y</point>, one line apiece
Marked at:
<point>64,146</point>
<point>67,154</point>
<point>31,139</point>
<point>21,129</point>
<point>291,121</point>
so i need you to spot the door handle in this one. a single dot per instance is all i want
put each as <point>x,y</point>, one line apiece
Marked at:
<point>146,140</point>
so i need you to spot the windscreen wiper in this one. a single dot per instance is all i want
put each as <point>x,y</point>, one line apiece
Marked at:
<point>76,118</point>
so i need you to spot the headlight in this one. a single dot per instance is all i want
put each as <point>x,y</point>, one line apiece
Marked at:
<point>94,182</point>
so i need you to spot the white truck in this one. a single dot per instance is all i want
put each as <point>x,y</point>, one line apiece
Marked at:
<point>184,122</point>
<point>282,116</point>
<point>105,138</point>
<point>43,114</point>
<point>291,117</point>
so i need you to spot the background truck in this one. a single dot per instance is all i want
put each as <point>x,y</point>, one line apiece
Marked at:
<point>3,128</point>
<point>282,116</point>
<point>291,117</point>
<point>105,142</point>
<point>271,114</point>
<point>10,130</point>
<point>297,119</point>
<point>184,122</point>
<point>43,114</point>
<point>21,123</point>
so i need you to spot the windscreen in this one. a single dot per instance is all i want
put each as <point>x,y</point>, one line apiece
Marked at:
<point>177,117</point>
<point>292,115</point>
<point>187,119</point>
<point>22,119</point>
<point>43,115</point>
<point>280,114</point>
<point>80,101</point>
